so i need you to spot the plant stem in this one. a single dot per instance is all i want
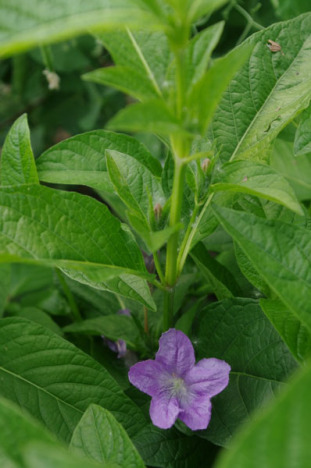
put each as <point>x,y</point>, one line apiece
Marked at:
<point>248,18</point>
<point>186,245</point>
<point>158,267</point>
<point>175,214</point>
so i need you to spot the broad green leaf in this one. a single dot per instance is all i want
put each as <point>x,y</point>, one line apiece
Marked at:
<point>114,327</point>
<point>55,381</point>
<point>99,436</point>
<point>280,253</point>
<point>5,282</point>
<point>17,161</point>
<point>75,233</point>
<point>172,449</point>
<point>221,280</point>
<point>302,143</point>
<point>152,116</point>
<point>38,316</point>
<point>297,170</point>
<point>138,188</point>
<point>81,159</point>
<point>294,333</point>
<point>198,53</point>
<point>18,429</point>
<point>125,79</point>
<point>256,179</point>
<point>144,52</point>
<point>267,93</point>
<point>278,437</point>
<point>42,455</point>
<point>237,331</point>
<point>250,272</point>
<point>20,30</point>
<point>206,94</point>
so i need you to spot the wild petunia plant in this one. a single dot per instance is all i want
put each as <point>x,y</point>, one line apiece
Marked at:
<point>201,231</point>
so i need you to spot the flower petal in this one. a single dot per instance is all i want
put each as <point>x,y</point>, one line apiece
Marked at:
<point>175,352</point>
<point>164,411</point>
<point>197,415</point>
<point>146,376</point>
<point>208,377</point>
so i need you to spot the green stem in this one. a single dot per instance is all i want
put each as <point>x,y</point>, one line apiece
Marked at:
<point>248,18</point>
<point>175,214</point>
<point>74,308</point>
<point>186,245</point>
<point>168,309</point>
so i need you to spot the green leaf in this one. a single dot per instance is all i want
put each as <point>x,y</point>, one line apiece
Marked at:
<point>138,188</point>
<point>302,143</point>
<point>198,8</point>
<point>287,9</point>
<point>20,31</point>
<point>114,327</point>
<point>294,333</point>
<point>206,94</point>
<point>267,93</point>
<point>256,179</point>
<point>39,455</point>
<point>250,272</point>
<point>278,436</point>
<point>18,429</point>
<point>38,316</point>
<point>172,449</point>
<point>125,79</point>
<point>297,170</point>
<point>280,254</point>
<point>144,52</point>
<point>5,281</point>
<point>55,381</point>
<point>17,161</point>
<point>75,233</point>
<point>81,159</point>
<point>198,53</point>
<point>152,116</point>
<point>237,331</point>
<point>100,437</point>
<point>221,280</point>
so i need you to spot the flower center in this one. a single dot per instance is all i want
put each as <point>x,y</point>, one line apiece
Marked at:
<point>178,386</point>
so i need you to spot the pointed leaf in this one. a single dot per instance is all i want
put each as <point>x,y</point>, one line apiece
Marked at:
<point>125,79</point>
<point>280,254</point>
<point>99,436</point>
<point>256,179</point>
<point>267,93</point>
<point>81,159</point>
<point>75,233</point>
<point>17,161</point>
<point>207,93</point>
<point>145,52</point>
<point>20,30</point>
<point>55,381</point>
<point>152,116</point>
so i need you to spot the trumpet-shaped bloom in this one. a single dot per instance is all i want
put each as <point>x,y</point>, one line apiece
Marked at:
<point>179,387</point>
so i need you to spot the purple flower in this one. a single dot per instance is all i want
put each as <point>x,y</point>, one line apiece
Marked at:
<point>180,388</point>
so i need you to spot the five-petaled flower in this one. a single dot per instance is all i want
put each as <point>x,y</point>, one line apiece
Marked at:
<point>180,388</point>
